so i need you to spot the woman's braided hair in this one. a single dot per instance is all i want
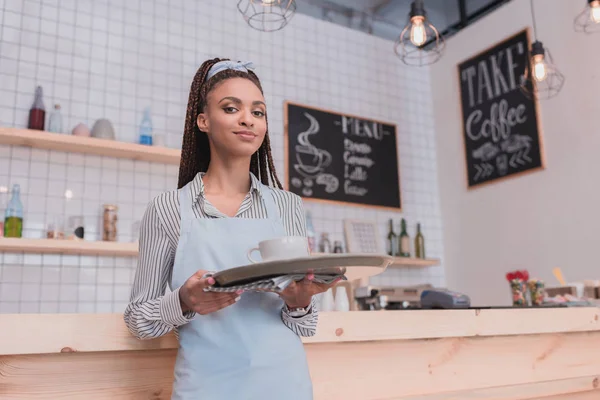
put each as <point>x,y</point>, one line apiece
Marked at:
<point>195,151</point>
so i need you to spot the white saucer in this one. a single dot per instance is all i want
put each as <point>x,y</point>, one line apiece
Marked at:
<point>353,266</point>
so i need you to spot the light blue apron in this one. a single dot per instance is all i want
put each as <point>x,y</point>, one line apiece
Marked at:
<point>244,351</point>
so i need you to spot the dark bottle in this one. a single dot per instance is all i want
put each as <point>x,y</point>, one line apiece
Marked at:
<point>337,247</point>
<point>13,219</point>
<point>392,240</point>
<point>37,113</point>
<point>404,240</point>
<point>419,243</point>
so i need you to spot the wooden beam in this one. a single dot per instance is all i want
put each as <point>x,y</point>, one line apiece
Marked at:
<point>569,389</point>
<point>549,367</point>
<point>107,332</point>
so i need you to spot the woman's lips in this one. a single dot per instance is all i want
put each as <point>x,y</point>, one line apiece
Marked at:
<point>247,135</point>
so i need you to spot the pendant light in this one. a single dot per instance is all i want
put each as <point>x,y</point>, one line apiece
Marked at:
<point>420,43</point>
<point>588,21</point>
<point>267,15</point>
<point>541,80</point>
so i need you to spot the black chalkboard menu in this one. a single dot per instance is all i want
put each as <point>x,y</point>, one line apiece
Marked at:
<point>500,124</point>
<point>341,158</point>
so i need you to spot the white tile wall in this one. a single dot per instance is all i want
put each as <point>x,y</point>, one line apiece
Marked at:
<point>111,59</point>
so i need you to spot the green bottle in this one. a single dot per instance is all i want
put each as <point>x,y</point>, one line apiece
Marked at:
<point>13,219</point>
<point>392,240</point>
<point>404,240</point>
<point>419,243</point>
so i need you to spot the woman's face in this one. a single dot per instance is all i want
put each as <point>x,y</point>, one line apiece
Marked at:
<point>235,117</point>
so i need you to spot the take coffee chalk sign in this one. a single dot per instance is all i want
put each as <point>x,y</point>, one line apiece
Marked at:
<point>501,132</point>
<point>341,158</point>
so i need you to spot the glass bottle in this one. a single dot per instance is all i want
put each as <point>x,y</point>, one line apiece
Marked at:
<point>146,128</point>
<point>337,247</point>
<point>419,243</point>
<point>55,120</point>
<point>37,113</point>
<point>404,240</point>
<point>13,217</point>
<point>392,240</point>
<point>310,232</point>
<point>325,244</point>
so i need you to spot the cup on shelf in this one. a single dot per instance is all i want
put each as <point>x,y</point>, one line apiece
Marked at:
<point>55,229</point>
<point>75,228</point>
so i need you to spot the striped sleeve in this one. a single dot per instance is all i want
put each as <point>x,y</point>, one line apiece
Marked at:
<point>305,325</point>
<point>152,313</point>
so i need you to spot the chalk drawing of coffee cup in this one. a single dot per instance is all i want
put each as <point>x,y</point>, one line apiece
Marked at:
<point>311,160</point>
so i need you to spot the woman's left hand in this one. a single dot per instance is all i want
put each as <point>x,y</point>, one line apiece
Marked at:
<point>299,294</point>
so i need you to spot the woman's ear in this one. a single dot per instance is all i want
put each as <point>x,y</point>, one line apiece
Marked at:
<point>202,123</point>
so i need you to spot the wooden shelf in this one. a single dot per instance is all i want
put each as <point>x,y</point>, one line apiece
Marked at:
<point>128,249</point>
<point>65,246</point>
<point>88,145</point>
<point>406,262</point>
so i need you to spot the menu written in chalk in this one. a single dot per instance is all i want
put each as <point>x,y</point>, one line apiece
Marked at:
<point>342,158</point>
<point>500,123</point>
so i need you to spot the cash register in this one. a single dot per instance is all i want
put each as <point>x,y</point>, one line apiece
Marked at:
<point>444,299</point>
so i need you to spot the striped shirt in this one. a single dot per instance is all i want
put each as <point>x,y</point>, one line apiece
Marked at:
<point>152,311</point>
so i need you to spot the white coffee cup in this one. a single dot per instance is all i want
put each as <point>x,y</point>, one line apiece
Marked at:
<point>281,248</point>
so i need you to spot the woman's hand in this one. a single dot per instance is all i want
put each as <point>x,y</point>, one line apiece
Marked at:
<point>193,297</point>
<point>299,294</point>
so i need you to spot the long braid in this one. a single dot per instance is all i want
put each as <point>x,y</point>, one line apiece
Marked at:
<point>264,174</point>
<point>269,161</point>
<point>195,152</point>
<point>254,165</point>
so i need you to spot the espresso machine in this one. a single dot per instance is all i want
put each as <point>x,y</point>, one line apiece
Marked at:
<point>372,298</point>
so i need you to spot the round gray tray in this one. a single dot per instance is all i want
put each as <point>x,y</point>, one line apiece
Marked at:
<point>353,266</point>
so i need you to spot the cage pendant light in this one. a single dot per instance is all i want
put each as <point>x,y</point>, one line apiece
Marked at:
<point>419,43</point>
<point>588,21</point>
<point>267,15</point>
<point>542,79</point>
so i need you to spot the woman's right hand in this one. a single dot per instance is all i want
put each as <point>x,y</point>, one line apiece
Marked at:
<point>193,297</point>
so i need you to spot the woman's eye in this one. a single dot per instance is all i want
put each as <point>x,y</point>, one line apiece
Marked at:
<point>259,114</point>
<point>230,110</point>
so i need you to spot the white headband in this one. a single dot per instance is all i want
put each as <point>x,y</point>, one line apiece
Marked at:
<point>244,66</point>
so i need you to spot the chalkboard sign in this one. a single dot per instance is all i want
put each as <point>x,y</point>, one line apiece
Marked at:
<point>500,123</point>
<point>341,158</point>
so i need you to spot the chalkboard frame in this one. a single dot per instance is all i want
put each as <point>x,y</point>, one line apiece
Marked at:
<point>286,183</point>
<point>539,132</point>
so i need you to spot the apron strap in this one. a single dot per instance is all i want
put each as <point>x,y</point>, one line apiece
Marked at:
<point>268,197</point>
<point>185,203</point>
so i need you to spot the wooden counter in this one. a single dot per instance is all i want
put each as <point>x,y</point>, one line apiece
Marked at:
<point>507,354</point>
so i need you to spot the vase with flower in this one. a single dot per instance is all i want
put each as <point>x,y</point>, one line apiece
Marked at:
<point>518,286</point>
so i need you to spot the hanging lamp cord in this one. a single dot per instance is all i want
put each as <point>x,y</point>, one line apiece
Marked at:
<point>533,19</point>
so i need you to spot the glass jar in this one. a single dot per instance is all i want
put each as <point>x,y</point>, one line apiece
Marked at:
<point>109,223</point>
<point>55,229</point>
<point>75,229</point>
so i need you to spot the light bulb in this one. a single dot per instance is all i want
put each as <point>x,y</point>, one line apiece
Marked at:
<point>418,36</point>
<point>539,68</point>
<point>595,11</point>
<point>268,2</point>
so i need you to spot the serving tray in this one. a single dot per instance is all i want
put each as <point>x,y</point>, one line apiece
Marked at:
<point>353,266</point>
